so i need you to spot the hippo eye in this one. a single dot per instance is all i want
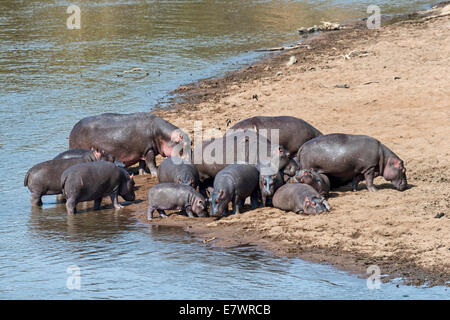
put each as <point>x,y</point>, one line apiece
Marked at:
<point>265,182</point>
<point>217,201</point>
<point>313,204</point>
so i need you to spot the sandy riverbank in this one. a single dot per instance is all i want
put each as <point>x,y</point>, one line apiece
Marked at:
<point>398,92</point>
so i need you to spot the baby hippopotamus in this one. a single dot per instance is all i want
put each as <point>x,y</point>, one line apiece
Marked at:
<point>234,184</point>
<point>45,177</point>
<point>269,182</point>
<point>93,181</point>
<point>348,158</point>
<point>80,153</point>
<point>174,196</point>
<point>318,181</point>
<point>178,170</point>
<point>300,198</point>
<point>290,170</point>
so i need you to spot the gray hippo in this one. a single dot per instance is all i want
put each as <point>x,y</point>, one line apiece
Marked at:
<point>244,146</point>
<point>45,177</point>
<point>348,158</point>
<point>80,153</point>
<point>234,184</point>
<point>131,138</point>
<point>178,170</point>
<point>318,181</point>
<point>299,198</point>
<point>269,182</point>
<point>290,170</point>
<point>93,181</point>
<point>174,196</point>
<point>293,132</point>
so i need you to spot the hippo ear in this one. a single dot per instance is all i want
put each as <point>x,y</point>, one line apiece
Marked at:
<point>221,194</point>
<point>132,177</point>
<point>307,201</point>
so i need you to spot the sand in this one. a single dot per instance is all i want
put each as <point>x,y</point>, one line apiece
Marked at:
<point>398,81</point>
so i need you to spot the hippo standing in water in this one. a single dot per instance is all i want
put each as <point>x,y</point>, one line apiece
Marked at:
<point>293,132</point>
<point>174,196</point>
<point>131,138</point>
<point>348,158</point>
<point>299,198</point>
<point>45,177</point>
<point>244,146</point>
<point>318,181</point>
<point>174,169</point>
<point>93,181</point>
<point>234,184</point>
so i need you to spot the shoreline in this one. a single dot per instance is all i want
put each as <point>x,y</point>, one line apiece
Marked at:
<point>389,83</point>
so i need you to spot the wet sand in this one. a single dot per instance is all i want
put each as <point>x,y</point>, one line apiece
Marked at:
<point>394,86</point>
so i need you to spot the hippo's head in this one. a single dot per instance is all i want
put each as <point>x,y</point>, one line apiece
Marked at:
<point>396,173</point>
<point>199,207</point>
<point>267,184</point>
<point>291,169</point>
<point>315,205</point>
<point>304,176</point>
<point>219,203</point>
<point>126,189</point>
<point>102,155</point>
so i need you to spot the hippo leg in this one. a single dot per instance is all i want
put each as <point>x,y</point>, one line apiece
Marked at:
<point>162,213</point>
<point>189,212</point>
<point>150,162</point>
<point>235,205</point>
<point>60,198</point>
<point>254,199</point>
<point>71,206</point>
<point>97,203</point>
<point>369,175</point>
<point>115,199</point>
<point>142,167</point>
<point>355,181</point>
<point>150,212</point>
<point>36,199</point>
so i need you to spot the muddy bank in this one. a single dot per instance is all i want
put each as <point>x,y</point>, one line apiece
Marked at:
<point>391,84</point>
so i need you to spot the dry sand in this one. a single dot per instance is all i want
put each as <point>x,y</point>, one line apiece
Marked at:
<point>399,93</point>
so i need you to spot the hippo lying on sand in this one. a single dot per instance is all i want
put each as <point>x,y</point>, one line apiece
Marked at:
<point>174,196</point>
<point>174,169</point>
<point>234,184</point>
<point>293,132</point>
<point>131,138</point>
<point>45,177</point>
<point>318,181</point>
<point>352,158</point>
<point>93,181</point>
<point>299,198</point>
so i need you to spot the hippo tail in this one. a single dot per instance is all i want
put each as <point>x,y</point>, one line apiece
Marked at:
<point>25,181</point>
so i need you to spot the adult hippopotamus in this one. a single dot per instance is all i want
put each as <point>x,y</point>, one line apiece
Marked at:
<point>348,158</point>
<point>178,170</point>
<point>234,184</point>
<point>93,181</point>
<point>175,196</point>
<point>131,138</point>
<point>292,132</point>
<point>45,177</point>
<point>244,146</point>
<point>299,198</point>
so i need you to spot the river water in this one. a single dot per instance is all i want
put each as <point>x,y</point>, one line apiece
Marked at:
<point>52,76</point>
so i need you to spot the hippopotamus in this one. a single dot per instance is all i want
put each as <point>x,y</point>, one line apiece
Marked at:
<point>45,177</point>
<point>243,146</point>
<point>178,170</point>
<point>318,181</point>
<point>299,198</point>
<point>93,181</point>
<point>131,138</point>
<point>290,170</point>
<point>175,196</point>
<point>351,158</point>
<point>293,132</point>
<point>234,184</point>
<point>269,182</point>
<point>80,153</point>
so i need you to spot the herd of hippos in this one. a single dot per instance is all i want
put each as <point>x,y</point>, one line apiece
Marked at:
<point>294,174</point>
